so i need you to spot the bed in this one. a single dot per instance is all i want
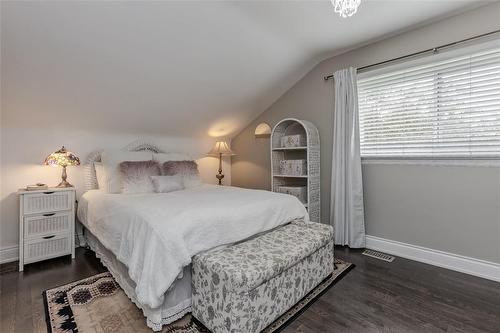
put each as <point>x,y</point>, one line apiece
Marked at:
<point>147,240</point>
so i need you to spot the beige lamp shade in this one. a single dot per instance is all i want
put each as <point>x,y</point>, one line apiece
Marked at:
<point>221,147</point>
<point>63,158</point>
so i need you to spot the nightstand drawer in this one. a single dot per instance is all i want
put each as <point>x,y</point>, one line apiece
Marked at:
<point>47,247</point>
<point>46,202</point>
<point>47,224</point>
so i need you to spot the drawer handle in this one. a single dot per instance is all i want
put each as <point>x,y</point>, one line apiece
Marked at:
<point>49,214</point>
<point>49,237</point>
<point>48,192</point>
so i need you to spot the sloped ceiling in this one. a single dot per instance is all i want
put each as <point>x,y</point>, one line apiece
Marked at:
<point>177,68</point>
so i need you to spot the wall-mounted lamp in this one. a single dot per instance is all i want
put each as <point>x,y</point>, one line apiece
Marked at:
<point>263,130</point>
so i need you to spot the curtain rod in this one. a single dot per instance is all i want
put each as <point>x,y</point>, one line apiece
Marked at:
<point>433,50</point>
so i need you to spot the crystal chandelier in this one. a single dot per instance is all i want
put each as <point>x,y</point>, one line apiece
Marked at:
<point>346,8</point>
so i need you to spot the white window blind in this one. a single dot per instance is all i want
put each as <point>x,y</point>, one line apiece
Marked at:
<point>445,109</point>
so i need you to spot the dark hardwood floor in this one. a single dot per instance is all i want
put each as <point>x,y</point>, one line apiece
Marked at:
<point>376,296</point>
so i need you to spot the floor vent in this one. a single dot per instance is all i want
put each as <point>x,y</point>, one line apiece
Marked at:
<point>378,255</point>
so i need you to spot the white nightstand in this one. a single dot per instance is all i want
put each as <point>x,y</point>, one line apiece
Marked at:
<point>46,224</point>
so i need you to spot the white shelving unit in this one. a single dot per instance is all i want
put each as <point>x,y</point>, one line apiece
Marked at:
<point>310,152</point>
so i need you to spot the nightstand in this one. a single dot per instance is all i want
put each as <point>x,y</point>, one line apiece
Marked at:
<point>46,224</point>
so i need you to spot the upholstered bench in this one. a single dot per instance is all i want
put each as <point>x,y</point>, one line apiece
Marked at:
<point>245,287</point>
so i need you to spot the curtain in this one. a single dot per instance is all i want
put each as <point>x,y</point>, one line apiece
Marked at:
<point>347,209</point>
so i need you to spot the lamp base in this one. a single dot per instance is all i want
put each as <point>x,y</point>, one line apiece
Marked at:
<point>219,177</point>
<point>63,184</point>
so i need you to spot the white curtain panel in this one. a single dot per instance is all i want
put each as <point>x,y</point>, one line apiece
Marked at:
<point>347,209</point>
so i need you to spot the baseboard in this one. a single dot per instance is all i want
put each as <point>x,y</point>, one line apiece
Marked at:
<point>482,268</point>
<point>477,267</point>
<point>9,254</point>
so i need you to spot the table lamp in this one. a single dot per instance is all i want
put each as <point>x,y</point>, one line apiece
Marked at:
<point>63,158</point>
<point>220,149</point>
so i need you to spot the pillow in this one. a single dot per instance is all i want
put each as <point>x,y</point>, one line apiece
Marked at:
<point>191,181</point>
<point>165,184</point>
<point>183,168</point>
<point>99,174</point>
<point>111,159</point>
<point>164,157</point>
<point>136,176</point>
<point>187,169</point>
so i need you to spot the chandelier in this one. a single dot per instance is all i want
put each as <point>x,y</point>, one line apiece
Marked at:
<point>346,8</point>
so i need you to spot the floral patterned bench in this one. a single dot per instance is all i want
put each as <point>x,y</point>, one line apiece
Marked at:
<point>245,287</point>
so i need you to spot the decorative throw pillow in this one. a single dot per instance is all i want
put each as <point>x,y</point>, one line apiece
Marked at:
<point>165,184</point>
<point>187,169</point>
<point>171,168</point>
<point>110,161</point>
<point>136,176</point>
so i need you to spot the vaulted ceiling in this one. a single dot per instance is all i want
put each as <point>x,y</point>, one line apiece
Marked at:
<point>177,68</point>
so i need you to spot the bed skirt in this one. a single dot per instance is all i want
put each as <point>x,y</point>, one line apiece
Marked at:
<point>177,300</point>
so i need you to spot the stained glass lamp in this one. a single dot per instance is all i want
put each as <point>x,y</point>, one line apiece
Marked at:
<point>220,149</point>
<point>63,158</point>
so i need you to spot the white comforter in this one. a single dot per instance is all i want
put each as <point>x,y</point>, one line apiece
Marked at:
<point>155,235</point>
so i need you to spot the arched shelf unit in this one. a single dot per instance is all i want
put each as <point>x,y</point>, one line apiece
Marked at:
<point>306,149</point>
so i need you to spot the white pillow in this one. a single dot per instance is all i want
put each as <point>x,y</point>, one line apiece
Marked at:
<point>165,184</point>
<point>99,174</point>
<point>111,159</point>
<point>164,157</point>
<point>190,181</point>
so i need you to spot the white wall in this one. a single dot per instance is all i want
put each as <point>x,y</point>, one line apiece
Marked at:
<point>24,149</point>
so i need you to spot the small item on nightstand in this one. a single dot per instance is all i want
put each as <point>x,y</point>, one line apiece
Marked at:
<point>37,186</point>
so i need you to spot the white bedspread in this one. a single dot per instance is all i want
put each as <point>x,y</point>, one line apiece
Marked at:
<point>155,235</point>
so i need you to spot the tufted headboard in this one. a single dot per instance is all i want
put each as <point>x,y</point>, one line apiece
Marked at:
<point>89,169</point>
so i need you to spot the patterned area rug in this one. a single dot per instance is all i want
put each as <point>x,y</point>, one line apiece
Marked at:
<point>97,304</point>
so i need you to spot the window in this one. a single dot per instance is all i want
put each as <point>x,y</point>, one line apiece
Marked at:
<point>445,109</point>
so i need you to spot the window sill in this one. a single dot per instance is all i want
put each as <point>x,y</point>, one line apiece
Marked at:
<point>432,162</point>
